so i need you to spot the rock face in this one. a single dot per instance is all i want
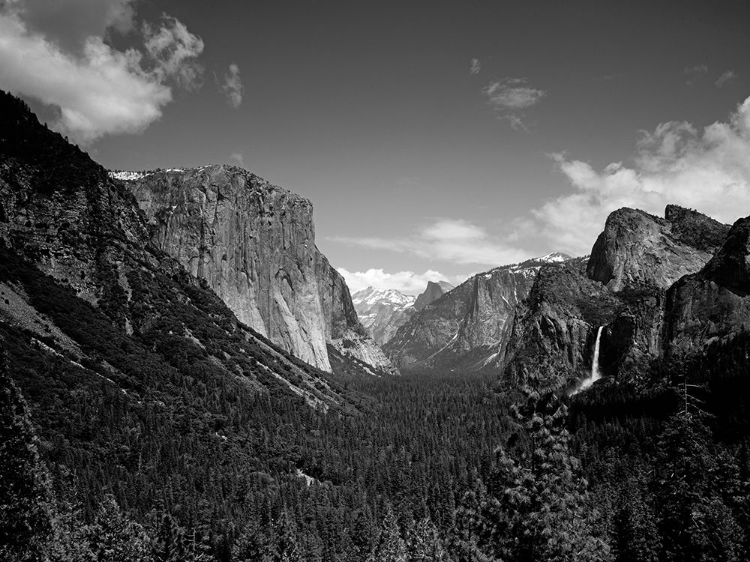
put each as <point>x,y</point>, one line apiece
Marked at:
<point>637,248</point>
<point>712,305</point>
<point>432,293</point>
<point>69,233</point>
<point>383,311</point>
<point>551,341</point>
<point>254,243</point>
<point>626,289</point>
<point>468,327</point>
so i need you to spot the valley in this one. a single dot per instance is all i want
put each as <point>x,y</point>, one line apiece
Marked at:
<point>185,376</point>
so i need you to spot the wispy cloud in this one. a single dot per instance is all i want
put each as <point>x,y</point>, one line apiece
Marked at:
<point>677,163</point>
<point>454,241</point>
<point>728,76</point>
<point>407,282</point>
<point>232,86</point>
<point>98,90</point>
<point>173,52</point>
<point>695,73</point>
<point>509,97</point>
<point>237,157</point>
<point>476,66</point>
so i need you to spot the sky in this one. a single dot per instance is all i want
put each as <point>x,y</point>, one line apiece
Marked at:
<point>435,139</point>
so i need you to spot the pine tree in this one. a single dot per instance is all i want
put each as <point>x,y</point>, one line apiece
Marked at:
<point>287,545</point>
<point>115,538</point>
<point>24,492</point>
<point>424,544</point>
<point>253,544</point>
<point>390,547</point>
<point>537,507</point>
<point>636,535</point>
<point>696,524</point>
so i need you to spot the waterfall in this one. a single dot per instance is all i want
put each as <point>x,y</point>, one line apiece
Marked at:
<point>595,372</point>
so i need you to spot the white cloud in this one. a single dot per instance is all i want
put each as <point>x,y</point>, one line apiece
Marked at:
<point>232,86</point>
<point>695,73</point>
<point>707,170</point>
<point>174,50</point>
<point>237,157</point>
<point>728,76</point>
<point>476,66</point>
<point>100,90</point>
<point>510,96</point>
<point>454,241</point>
<point>407,282</point>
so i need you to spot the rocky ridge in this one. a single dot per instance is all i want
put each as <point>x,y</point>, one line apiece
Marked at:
<point>432,292</point>
<point>712,305</point>
<point>84,285</point>
<point>382,311</point>
<point>637,248</point>
<point>469,326</point>
<point>629,286</point>
<point>254,244</point>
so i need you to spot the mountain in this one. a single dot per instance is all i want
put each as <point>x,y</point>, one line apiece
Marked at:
<point>712,305</point>
<point>254,244</point>
<point>84,284</point>
<point>637,248</point>
<point>432,293</point>
<point>629,287</point>
<point>467,327</point>
<point>382,311</point>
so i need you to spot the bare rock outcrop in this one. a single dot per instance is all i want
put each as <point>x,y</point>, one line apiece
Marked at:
<point>469,326</point>
<point>713,304</point>
<point>254,243</point>
<point>637,248</point>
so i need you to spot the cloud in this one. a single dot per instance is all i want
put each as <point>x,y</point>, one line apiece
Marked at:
<point>454,241</point>
<point>232,86</point>
<point>237,157</point>
<point>69,23</point>
<point>99,90</point>
<point>476,66</point>
<point>706,169</point>
<point>728,76</point>
<point>173,50</point>
<point>407,282</point>
<point>509,97</point>
<point>695,73</point>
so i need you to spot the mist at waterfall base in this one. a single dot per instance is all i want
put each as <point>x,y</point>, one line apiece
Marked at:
<point>595,372</point>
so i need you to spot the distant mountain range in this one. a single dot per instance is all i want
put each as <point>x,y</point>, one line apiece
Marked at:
<point>383,311</point>
<point>468,327</point>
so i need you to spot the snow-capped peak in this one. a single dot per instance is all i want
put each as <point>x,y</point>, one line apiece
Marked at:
<point>371,296</point>
<point>554,257</point>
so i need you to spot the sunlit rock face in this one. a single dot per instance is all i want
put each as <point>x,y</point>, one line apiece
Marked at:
<point>640,284</point>
<point>383,311</point>
<point>637,248</point>
<point>468,327</point>
<point>254,243</point>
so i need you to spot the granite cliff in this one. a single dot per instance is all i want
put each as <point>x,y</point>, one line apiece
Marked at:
<point>432,292</point>
<point>623,288</point>
<point>254,244</point>
<point>712,305</point>
<point>85,289</point>
<point>637,248</point>
<point>383,311</point>
<point>467,327</point>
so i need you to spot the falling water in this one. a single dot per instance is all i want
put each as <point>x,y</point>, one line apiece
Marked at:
<point>595,373</point>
